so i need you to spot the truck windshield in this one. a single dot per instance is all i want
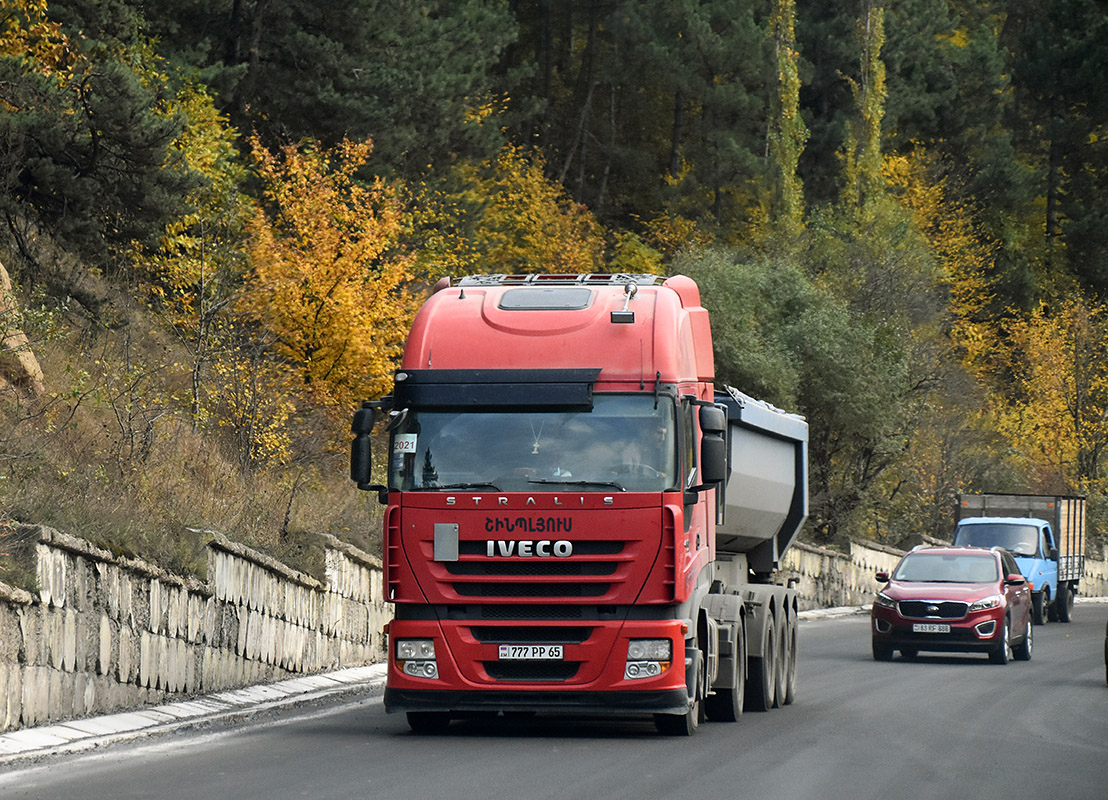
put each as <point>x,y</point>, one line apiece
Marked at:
<point>947,568</point>
<point>625,443</point>
<point>1020,540</point>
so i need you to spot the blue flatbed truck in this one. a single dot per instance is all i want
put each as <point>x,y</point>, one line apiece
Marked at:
<point>1045,533</point>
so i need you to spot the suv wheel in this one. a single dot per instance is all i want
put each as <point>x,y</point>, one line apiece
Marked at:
<point>1003,651</point>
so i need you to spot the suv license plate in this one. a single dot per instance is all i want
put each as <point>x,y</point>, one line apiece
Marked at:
<point>531,652</point>
<point>930,627</point>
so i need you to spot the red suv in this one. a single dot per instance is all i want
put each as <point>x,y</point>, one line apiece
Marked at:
<point>953,599</point>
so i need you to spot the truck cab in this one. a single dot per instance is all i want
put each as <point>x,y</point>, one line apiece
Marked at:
<point>1032,543</point>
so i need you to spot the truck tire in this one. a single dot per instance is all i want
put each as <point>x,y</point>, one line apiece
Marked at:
<point>1063,603</point>
<point>726,705</point>
<point>428,722</point>
<point>1040,602</point>
<point>761,677</point>
<point>782,679</point>
<point>790,670</point>
<point>687,723</point>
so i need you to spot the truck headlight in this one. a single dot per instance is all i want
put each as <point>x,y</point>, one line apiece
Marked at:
<point>408,649</point>
<point>416,657</point>
<point>647,658</point>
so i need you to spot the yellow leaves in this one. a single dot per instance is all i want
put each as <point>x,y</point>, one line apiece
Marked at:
<point>1058,415</point>
<point>25,32</point>
<point>529,224</point>
<point>329,279</point>
<point>963,252</point>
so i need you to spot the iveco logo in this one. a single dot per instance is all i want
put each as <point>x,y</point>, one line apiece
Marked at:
<point>932,609</point>
<point>544,548</point>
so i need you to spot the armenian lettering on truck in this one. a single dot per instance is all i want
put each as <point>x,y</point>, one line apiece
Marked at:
<point>576,519</point>
<point>1045,533</point>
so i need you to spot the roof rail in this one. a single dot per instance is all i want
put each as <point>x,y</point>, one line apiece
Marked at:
<point>555,279</point>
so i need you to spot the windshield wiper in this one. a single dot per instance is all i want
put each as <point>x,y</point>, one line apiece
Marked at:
<point>478,485</point>
<point>611,484</point>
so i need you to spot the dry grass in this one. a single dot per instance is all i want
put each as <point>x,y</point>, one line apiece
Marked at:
<point>111,454</point>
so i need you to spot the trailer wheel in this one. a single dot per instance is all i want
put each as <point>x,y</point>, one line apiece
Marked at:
<point>790,670</point>
<point>762,673</point>
<point>428,722</point>
<point>726,705</point>
<point>782,678</point>
<point>1064,602</point>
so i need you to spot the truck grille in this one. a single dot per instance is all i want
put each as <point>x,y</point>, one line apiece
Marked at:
<point>594,569</point>
<point>933,609</point>
<point>531,671</point>
<point>527,634</point>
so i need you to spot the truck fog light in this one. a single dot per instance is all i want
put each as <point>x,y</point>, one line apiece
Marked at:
<point>644,669</point>
<point>421,669</point>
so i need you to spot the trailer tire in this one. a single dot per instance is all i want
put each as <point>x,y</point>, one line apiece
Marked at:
<point>790,671</point>
<point>782,681</point>
<point>428,722</point>
<point>726,705</point>
<point>1064,602</point>
<point>762,673</point>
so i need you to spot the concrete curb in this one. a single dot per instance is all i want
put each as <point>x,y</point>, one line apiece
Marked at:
<point>88,733</point>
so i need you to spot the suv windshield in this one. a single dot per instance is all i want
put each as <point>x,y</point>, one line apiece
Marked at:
<point>625,443</point>
<point>947,568</point>
<point>1023,540</point>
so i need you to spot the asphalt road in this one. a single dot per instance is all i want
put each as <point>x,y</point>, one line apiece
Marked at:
<point>940,727</point>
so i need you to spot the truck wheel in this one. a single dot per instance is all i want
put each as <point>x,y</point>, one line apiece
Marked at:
<point>1002,653</point>
<point>762,673</point>
<point>782,677</point>
<point>1039,603</point>
<point>428,722</point>
<point>1022,651</point>
<point>790,672</point>
<point>726,705</point>
<point>1064,602</point>
<point>687,723</point>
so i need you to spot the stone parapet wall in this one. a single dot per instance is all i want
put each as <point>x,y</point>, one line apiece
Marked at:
<point>828,579</point>
<point>105,633</point>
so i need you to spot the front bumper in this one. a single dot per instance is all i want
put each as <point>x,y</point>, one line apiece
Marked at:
<point>671,701</point>
<point>977,633</point>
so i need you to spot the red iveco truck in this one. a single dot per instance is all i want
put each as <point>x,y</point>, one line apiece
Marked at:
<point>577,520</point>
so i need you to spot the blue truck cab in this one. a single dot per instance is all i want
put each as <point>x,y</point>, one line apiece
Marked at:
<point>1046,534</point>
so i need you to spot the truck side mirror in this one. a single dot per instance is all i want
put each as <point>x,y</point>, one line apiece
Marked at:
<point>361,452</point>
<point>713,444</point>
<point>1053,554</point>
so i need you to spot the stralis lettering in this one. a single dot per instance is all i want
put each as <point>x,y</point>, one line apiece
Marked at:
<point>544,548</point>
<point>528,524</point>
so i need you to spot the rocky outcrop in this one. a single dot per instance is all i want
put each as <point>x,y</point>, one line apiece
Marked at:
<point>19,368</point>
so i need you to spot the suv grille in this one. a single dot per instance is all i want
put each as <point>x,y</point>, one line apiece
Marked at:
<point>933,609</point>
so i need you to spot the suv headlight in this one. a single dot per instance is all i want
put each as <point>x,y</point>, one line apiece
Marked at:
<point>985,602</point>
<point>884,600</point>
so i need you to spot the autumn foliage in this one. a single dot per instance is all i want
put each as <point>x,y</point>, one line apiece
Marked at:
<point>328,279</point>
